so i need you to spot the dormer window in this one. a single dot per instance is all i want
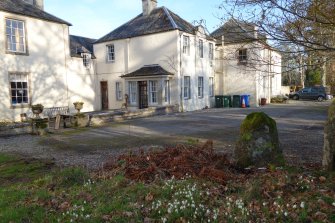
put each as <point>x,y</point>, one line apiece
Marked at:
<point>15,36</point>
<point>242,56</point>
<point>86,60</point>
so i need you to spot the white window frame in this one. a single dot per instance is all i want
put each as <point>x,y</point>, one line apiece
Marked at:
<point>15,36</point>
<point>19,87</point>
<point>187,87</point>
<point>186,45</point>
<point>211,86</point>
<point>118,91</point>
<point>200,87</point>
<point>167,91</point>
<point>153,92</point>
<point>211,51</point>
<point>111,53</point>
<point>242,55</point>
<point>132,92</point>
<point>201,48</point>
<point>86,60</point>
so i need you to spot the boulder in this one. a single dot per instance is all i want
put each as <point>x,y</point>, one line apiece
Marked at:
<point>328,160</point>
<point>258,144</point>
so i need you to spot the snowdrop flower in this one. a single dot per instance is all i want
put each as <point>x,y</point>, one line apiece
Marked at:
<point>294,206</point>
<point>285,214</point>
<point>302,205</point>
<point>333,204</point>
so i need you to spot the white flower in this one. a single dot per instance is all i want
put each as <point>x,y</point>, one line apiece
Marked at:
<point>294,206</point>
<point>285,214</point>
<point>302,205</point>
<point>333,204</point>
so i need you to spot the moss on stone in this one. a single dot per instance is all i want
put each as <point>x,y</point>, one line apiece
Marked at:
<point>331,111</point>
<point>328,161</point>
<point>258,144</point>
<point>41,124</point>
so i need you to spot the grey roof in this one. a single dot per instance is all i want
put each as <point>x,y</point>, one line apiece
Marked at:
<point>22,8</point>
<point>79,44</point>
<point>237,32</point>
<point>160,20</point>
<point>149,70</point>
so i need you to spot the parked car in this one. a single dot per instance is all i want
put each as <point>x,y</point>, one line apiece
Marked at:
<point>310,93</point>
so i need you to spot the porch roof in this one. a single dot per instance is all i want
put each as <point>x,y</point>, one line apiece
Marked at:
<point>148,70</point>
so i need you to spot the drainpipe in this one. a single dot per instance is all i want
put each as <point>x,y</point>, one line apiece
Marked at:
<point>223,67</point>
<point>181,73</point>
<point>65,62</point>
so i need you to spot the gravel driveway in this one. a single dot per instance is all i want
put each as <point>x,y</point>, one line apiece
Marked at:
<point>300,126</point>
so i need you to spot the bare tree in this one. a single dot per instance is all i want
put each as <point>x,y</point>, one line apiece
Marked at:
<point>307,27</point>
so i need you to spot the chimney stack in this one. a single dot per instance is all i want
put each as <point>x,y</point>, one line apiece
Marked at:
<point>37,3</point>
<point>148,6</point>
<point>256,32</point>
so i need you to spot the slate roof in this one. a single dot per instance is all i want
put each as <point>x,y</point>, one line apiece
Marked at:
<point>148,70</point>
<point>160,20</point>
<point>79,44</point>
<point>22,8</point>
<point>237,32</point>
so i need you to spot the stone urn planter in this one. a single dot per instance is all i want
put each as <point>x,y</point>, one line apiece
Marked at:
<point>37,110</point>
<point>40,126</point>
<point>78,106</point>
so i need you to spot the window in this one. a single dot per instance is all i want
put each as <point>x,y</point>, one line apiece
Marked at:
<point>167,91</point>
<point>201,49</point>
<point>132,92</point>
<point>187,87</point>
<point>186,45</point>
<point>211,86</point>
<point>15,34</point>
<point>153,92</point>
<point>242,56</point>
<point>86,60</point>
<point>211,51</point>
<point>111,53</point>
<point>200,87</point>
<point>118,89</point>
<point>19,89</point>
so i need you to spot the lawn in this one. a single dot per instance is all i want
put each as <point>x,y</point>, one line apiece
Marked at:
<point>37,191</point>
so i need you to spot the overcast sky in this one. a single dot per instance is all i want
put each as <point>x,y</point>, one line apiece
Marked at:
<point>95,18</point>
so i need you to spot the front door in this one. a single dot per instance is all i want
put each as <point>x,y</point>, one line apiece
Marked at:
<point>104,95</point>
<point>143,94</point>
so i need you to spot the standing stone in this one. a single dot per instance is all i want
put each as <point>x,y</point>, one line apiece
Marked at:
<point>329,140</point>
<point>258,144</point>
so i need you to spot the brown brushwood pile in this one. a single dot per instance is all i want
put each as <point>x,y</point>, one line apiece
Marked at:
<point>177,162</point>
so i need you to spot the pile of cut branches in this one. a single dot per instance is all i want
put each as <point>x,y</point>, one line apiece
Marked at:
<point>177,162</point>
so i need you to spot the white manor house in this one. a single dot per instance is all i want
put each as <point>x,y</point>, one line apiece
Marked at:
<point>157,59</point>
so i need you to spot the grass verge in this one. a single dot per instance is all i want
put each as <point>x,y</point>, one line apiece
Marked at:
<point>37,191</point>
